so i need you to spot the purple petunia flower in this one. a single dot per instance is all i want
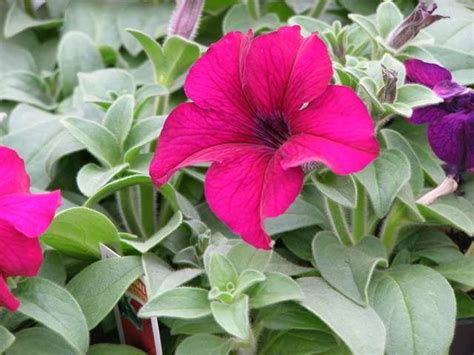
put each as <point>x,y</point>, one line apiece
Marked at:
<point>450,123</point>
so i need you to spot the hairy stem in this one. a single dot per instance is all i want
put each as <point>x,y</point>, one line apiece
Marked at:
<point>338,221</point>
<point>359,228</point>
<point>127,213</point>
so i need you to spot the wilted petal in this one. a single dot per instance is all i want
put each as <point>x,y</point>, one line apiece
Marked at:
<point>214,80</point>
<point>427,74</point>
<point>30,214</point>
<point>6,297</point>
<point>191,135</point>
<point>282,70</point>
<point>250,187</point>
<point>450,138</point>
<point>13,177</point>
<point>336,130</point>
<point>427,114</point>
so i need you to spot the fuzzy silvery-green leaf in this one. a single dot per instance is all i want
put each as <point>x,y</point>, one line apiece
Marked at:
<point>92,177</point>
<point>107,349</point>
<point>98,287</point>
<point>282,265</point>
<point>119,117</point>
<point>340,189</point>
<point>460,63</point>
<point>299,342</point>
<point>14,57</point>
<point>78,231</point>
<point>308,24</point>
<point>195,326</point>
<point>97,139</point>
<point>244,257</point>
<point>141,133</point>
<point>233,317</point>
<point>239,19</point>
<point>144,246</point>
<point>55,308</point>
<point>344,317</point>
<point>103,86</point>
<point>40,341</point>
<point>275,288</point>
<point>460,271</point>
<point>247,279</point>
<point>76,53</point>
<point>6,338</point>
<point>53,268</point>
<point>181,302</point>
<point>418,308</point>
<point>384,179</point>
<point>388,18</point>
<point>415,95</point>
<point>204,344</point>
<point>221,272</point>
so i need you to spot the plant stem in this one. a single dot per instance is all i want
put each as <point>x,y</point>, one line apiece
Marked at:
<point>166,209</point>
<point>148,209</point>
<point>126,212</point>
<point>318,8</point>
<point>338,221</point>
<point>161,104</point>
<point>359,214</point>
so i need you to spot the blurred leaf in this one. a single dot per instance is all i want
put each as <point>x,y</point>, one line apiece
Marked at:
<point>204,344</point>
<point>239,19</point>
<point>40,341</point>
<point>6,339</point>
<point>107,349</point>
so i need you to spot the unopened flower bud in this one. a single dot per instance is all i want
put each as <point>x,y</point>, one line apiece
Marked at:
<point>185,19</point>
<point>388,92</point>
<point>420,18</point>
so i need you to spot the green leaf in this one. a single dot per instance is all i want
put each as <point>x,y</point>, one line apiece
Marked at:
<point>395,140</point>
<point>348,270</point>
<point>298,342</point>
<point>107,349</point>
<point>460,271</point>
<point>247,279</point>
<point>40,341</point>
<point>280,264</point>
<point>388,18</point>
<point>291,315</point>
<point>18,21</point>
<point>460,63</point>
<point>276,288</point>
<point>103,86</point>
<point>171,61</point>
<point>98,287</point>
<point>366,7</point>
<point>92,177</point>
<point>144,246</point>
<point>181,302</point>
<point>55,308</point>
<point>26,87</point>
<point>204,344</point>
<point>76,53</point>
<point>221,272</point>
<point>384,179</point>
<point>119,117</point>
<point>6,339</point>
<point>234,317</point>
<point>464,305</point>
<point>53,268</point>
<point>98,140</point>
<point>418,308</point>
<point>415,95</point>
<point>204,325</point>
<point>239,19</point>
<point>14,57</point>
<point>143,132</point>
<point>308,24</point>
<point>344,317</point>
<point>340,189</point>
<point>78,231</point>
<point>244,257</point>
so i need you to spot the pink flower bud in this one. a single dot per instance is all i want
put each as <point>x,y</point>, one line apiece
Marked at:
<point>185,19</point>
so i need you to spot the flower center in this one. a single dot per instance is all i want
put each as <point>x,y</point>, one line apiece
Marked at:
<point>272,131</point>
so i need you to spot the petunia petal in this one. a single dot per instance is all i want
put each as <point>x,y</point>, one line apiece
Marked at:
<point>428,74</point>
<point>6,297</point>
<point>447,89</point>
<point>427,114</point>
<point>214,80</point>
<point>450,139</point>
<point>192,135</point>
<point>20,256</point>
<point>30,214</point>
<point>283,70</point>
<point>13,177</point>
<point>250,187</point>
<point>336,129</point>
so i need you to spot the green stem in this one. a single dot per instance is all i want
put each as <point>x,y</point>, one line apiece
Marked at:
<point>28,7</point>
<point>161,104</point>
<point>148,209</point>
<point>359,228</point>
<point>126,212</point>
<point>338,221</point>
<point>391,227</point>
<point>166,210</point>
<point>318,8</point>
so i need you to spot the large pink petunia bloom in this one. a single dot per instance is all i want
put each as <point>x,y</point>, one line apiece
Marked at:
<point>262,107</point>
<point>23,218</point>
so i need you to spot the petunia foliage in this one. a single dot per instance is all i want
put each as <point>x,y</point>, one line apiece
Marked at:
<point>236,177</point>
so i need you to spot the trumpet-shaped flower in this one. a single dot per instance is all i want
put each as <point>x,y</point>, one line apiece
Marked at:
<point>450,123</point>
<point>262,107</point>
<point>23,218</point>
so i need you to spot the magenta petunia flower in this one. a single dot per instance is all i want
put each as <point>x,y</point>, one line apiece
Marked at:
<point>23,218</point>
<point>450,123</point>
<point>262,107</point>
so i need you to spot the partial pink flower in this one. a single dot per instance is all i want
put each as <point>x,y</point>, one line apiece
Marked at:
<point>262,107</point>
<point>23,218</point>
